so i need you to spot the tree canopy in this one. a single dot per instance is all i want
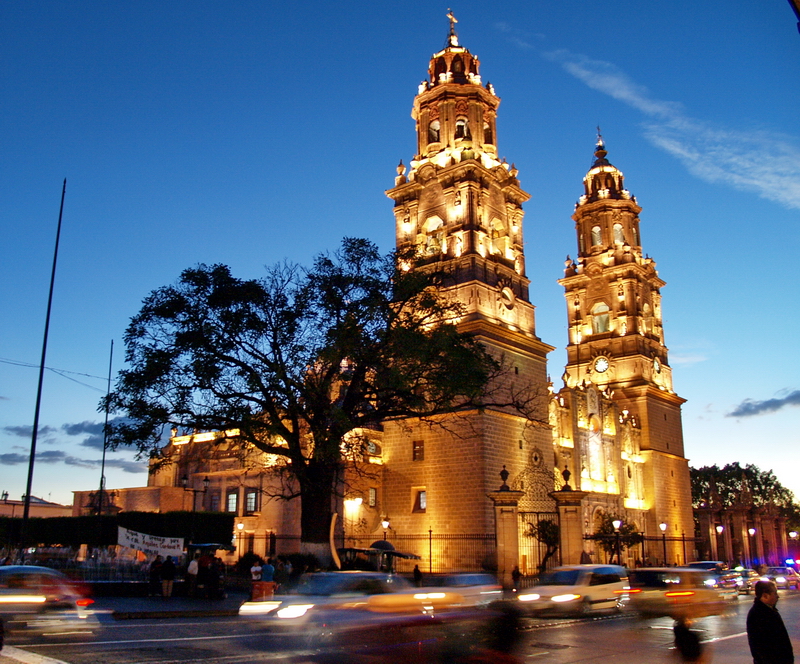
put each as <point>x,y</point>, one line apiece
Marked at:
<point>733,483</point>
<point>298,360</point>
<point>606,535</point>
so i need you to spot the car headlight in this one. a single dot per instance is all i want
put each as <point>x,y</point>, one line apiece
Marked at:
<point>257,608</point>
<point>568,597</point>
<point>780,579</point>
<point>294,611</point>
<point>529,597</point>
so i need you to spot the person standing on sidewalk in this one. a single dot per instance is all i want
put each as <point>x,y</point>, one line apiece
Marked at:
<point>167,577</point>
<point>155,577</point>
<point>191,574</point>
<point>769,641</point>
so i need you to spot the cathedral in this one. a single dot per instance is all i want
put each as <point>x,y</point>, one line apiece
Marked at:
<point>607,444</point>
<point>611,437</point>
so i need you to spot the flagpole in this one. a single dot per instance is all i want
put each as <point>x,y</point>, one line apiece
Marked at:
<point>26,510</point>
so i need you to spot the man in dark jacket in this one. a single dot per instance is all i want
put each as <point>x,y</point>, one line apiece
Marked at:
<point>766,633</point>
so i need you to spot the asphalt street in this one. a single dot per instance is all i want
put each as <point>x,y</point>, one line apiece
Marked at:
<point>224,639</point>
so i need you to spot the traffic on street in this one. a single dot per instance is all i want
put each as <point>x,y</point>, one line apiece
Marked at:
<point>621,637</point>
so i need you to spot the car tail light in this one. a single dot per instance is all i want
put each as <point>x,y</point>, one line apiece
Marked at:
<point>631,591</point>
<point>84,602</point>
<point>679,593</point>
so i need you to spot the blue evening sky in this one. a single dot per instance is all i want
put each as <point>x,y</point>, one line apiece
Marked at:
<point>250,132</point>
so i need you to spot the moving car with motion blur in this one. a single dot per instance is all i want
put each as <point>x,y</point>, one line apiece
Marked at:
<point>372,614</point>
<point>42,600</point>
<point>577,590</point>
<point>679,592</point>
<point>476,588</point>
<point>325,590</point>
<point>784,577</point>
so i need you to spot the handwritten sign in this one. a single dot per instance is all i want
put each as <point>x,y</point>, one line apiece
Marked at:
<point>150,544</point>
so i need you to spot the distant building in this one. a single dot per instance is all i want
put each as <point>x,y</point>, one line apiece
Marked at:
<point>38,507</point>
<point>609,442</point>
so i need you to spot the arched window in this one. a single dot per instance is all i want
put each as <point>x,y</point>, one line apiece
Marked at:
<point>462,128</point>
<point>434,129</point>
<point>618,237</point>
<point>600,318</point>
<point>457,67</point>
<point>487,133</point>
<point>597,237</point>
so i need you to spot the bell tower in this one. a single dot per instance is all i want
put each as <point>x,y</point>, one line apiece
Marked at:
<point>616,335</point>
<point>460,205</point>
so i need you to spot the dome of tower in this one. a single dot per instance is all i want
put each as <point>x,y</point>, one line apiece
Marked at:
<point>604,180</point>
<point>454,63</point>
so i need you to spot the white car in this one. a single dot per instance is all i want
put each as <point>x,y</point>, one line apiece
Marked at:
<point>577,589</point>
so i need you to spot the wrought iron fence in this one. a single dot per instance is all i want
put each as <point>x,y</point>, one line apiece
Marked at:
<point>532,551</point>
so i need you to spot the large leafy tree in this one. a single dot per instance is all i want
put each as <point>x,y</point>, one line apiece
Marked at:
<point>300,359</point>
<point>732,482</point>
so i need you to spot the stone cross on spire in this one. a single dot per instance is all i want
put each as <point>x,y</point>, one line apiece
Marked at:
<point>452,38</point>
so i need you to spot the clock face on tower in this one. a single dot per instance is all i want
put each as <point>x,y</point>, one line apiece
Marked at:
<point>657,365</point>
<point>601,364</point>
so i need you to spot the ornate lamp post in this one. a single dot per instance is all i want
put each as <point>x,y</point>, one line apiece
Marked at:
<point>663,527</point>
<point>204,490</point>
<point>751,532</point>
<point>719,530</point>
<point>385,524</point>
<point>617,523</point>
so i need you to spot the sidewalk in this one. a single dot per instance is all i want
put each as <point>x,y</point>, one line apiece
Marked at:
<point>134,608</point>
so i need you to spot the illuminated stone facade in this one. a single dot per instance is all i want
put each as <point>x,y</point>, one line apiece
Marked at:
<point>625,423</point>
<point>615,426</point>
<point>461,206</point>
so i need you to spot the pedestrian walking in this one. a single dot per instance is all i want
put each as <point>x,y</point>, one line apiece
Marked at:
<point>769,641</point>
<point>687,642</point>
<point>417,576</point>
<point>516,577</point>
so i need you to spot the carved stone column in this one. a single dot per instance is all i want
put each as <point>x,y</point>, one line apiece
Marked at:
<point>570,520</point>
<point>506,520</point>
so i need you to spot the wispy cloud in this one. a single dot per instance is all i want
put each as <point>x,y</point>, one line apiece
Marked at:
<point>750,407</point>
<point>686,359</point>
<point>764,162</point>
<point>518,37</point>
<point>57,456</point>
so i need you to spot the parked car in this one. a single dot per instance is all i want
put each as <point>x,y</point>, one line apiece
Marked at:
<point>746,580</point>
<point>679,592</point>
<point>42,600</point>
<point>577,589</point>
<point>784,577</point>
<point>477,589</point>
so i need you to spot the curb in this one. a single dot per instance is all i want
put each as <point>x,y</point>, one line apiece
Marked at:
<point>143,615</point>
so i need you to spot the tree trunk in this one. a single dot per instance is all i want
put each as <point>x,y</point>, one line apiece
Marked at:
<point>318,488</point>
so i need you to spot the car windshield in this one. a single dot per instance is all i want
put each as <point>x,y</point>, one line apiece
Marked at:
<point>560,577</point>
<point>346,584</point>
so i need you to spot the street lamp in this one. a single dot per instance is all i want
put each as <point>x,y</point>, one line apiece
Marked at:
<point>385,524</point>
<point>719,530</point>
<point>751,532</point>
<point>663,527</point>
<point>617,523</point>
<point>204,490</point>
